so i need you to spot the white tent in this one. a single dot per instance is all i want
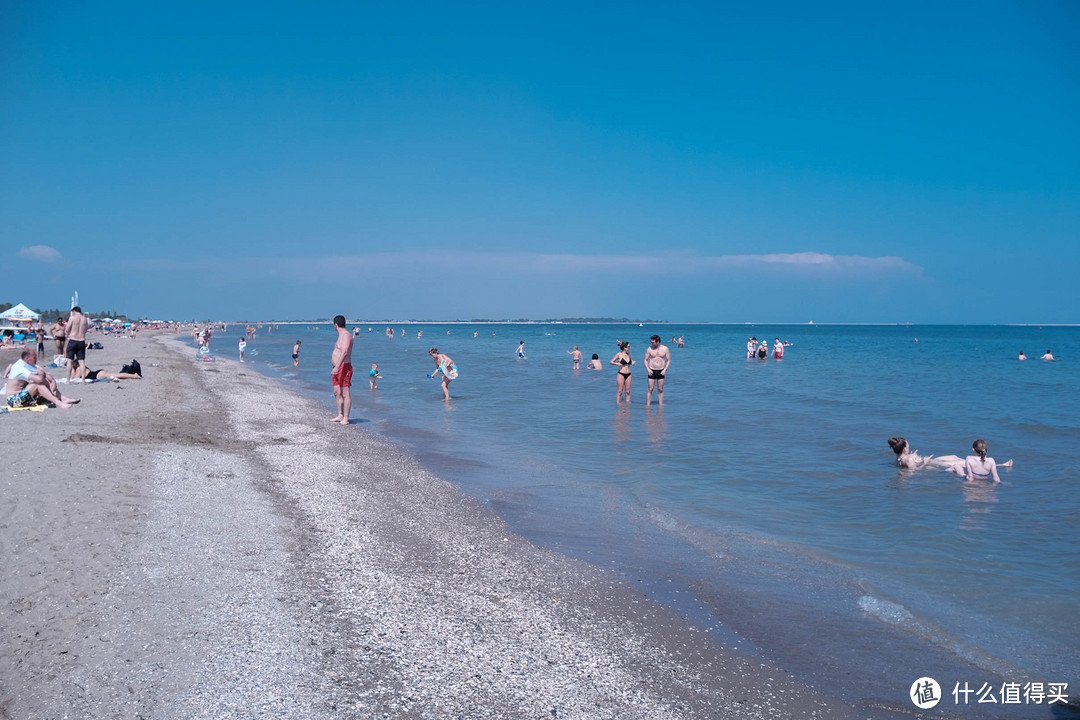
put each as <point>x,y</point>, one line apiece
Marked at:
<point>19,313</point>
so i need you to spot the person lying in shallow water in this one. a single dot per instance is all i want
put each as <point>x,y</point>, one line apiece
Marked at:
<point>974,467</point>
<point>906,458</point>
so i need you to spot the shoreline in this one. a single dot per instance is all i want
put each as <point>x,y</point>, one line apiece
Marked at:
<point>829,628</point>
<point>203,542</point>
<point>792,603</point>
<point>692,323</point>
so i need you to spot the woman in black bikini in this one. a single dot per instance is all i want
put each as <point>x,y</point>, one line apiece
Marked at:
<point>623,377</point>
<point>106,375</point>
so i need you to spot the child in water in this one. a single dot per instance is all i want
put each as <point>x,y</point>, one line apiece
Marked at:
<point>374,375</point>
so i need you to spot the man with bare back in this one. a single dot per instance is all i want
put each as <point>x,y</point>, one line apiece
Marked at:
<point>75,349</point>
<point>341,377</point>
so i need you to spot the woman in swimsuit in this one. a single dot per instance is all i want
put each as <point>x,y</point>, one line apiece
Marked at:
<point>980,467</point>
<point>908,459</point>
<point>445,367</point>
<point>623,377</point>
<point>106,375</point>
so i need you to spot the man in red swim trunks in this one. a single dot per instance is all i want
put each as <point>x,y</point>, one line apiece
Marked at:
<point>341,378</point>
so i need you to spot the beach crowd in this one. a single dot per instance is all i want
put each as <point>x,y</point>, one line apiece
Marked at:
<point>27,382</point>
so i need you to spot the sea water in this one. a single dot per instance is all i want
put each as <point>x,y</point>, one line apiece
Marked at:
<point>762,499</point>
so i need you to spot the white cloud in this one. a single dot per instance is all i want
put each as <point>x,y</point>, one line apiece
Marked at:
<point>40,253</point>
<point>675,263</point>
<point>812,261</point>
<point>492,264</point>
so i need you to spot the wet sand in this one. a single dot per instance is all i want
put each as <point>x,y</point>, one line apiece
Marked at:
<point>204,543</point>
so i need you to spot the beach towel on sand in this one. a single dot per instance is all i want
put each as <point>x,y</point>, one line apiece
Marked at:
<point>35,408</point>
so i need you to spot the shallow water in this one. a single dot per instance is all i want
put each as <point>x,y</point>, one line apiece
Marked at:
<point>764,493</point>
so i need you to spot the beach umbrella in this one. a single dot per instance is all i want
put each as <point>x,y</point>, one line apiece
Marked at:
<point>19,313</point>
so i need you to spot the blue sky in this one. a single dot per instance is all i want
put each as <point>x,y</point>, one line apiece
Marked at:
<point>834,162</point>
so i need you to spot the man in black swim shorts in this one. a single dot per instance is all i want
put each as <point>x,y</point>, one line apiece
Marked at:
<point>657,362</point>
<point>75,353</point>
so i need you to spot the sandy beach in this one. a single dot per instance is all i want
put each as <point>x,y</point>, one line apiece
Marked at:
<point>203,543</point>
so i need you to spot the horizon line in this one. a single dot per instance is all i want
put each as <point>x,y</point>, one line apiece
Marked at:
<point>648,322</point>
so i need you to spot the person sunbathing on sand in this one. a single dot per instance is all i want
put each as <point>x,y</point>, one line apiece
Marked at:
<point>27,384</point>
<point>106,375</point>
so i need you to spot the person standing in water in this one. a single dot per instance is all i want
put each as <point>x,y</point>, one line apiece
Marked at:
<point>623,377</point>
<point>444,366</point>
<point>341,377</point>
<point>575,354</point>
<point>521,350</point>
<point>296,354</point>
<point>657,362</point>
<point>778,349</point>
<point>242,345</point>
